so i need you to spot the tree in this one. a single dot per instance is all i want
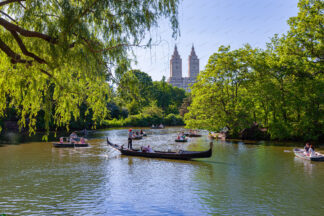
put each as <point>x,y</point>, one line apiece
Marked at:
<point>59,53</point>
<point>184,106</point>
<point>219,96</point>
<point>280,88</point>
<point>135,89</point>
<point>169,98</point>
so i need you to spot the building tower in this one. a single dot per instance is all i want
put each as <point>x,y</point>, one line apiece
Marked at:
<point>176,64</point>
<point>193,64</point>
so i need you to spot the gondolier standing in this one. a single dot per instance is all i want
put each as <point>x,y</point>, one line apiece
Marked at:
<point>130,136</point>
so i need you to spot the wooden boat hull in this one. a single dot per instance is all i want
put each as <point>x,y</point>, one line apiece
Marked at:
<point>181,155</point>
<point>185,140</point>
<point>300,154</point>
<point>69,145</point>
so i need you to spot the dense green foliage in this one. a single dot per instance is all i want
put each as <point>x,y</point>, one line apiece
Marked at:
<point>169,98</point>
<point>56,55</point>
<point>137,91</point>
<point>281,87</point>
<point>147,102</point>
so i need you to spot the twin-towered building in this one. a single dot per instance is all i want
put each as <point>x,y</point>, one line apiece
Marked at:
<point>176,78</point>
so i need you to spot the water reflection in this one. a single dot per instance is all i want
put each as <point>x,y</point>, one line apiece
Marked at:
<point>308,165</point>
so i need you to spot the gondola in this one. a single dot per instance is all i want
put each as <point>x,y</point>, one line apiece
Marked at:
<point>65,143</point>
<point>180,155</point>
<point>181,140</point>
<point>300,153</point>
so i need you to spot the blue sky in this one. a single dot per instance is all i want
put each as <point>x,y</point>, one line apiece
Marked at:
<point>210,23</point>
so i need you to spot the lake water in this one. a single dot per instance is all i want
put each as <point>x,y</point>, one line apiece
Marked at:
<point>239,179</point>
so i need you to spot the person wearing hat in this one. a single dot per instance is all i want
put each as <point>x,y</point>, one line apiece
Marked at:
<point>130,135</point>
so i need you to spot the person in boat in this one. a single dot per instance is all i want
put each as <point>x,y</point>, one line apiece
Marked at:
<point>141,132</point>
<point>73,137</point>
<point>82,140</point>
<point>311,151</point>
<point>144,149</point>
<point>183,136</point>
<point>130,136</point>
<point>306,148</point>
<point>149,149</point>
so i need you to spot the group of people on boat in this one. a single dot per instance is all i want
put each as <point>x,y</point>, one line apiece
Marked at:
<point>75,139</point>
<point>309,150</point>
<point>181,136</point>
<point>147,149</point>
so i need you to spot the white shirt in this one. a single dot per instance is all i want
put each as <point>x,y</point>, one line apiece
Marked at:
<point>312,152</point>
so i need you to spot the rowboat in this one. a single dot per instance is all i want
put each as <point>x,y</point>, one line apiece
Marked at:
<point>192,135</point>
<point>179,155</point>
<point>66,142</point>
<point>181,140</point>
<point>137,138</point>
<point>301,154</point>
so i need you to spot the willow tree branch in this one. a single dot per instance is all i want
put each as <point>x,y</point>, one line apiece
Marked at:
<point>12,27</point>
<point>15,58</point>
<point>7,15</point>
<point>24,49</point>
<point>9,1</point>
<point>86,11</point>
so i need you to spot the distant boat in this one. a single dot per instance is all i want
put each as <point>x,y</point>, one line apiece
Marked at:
<point>221,136</point>
<point>192,135</point>
<point>300,153</point>
<point>65,142</point>
<point>158,127</point>
<point>181,140</point>
<point>180,155</point>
